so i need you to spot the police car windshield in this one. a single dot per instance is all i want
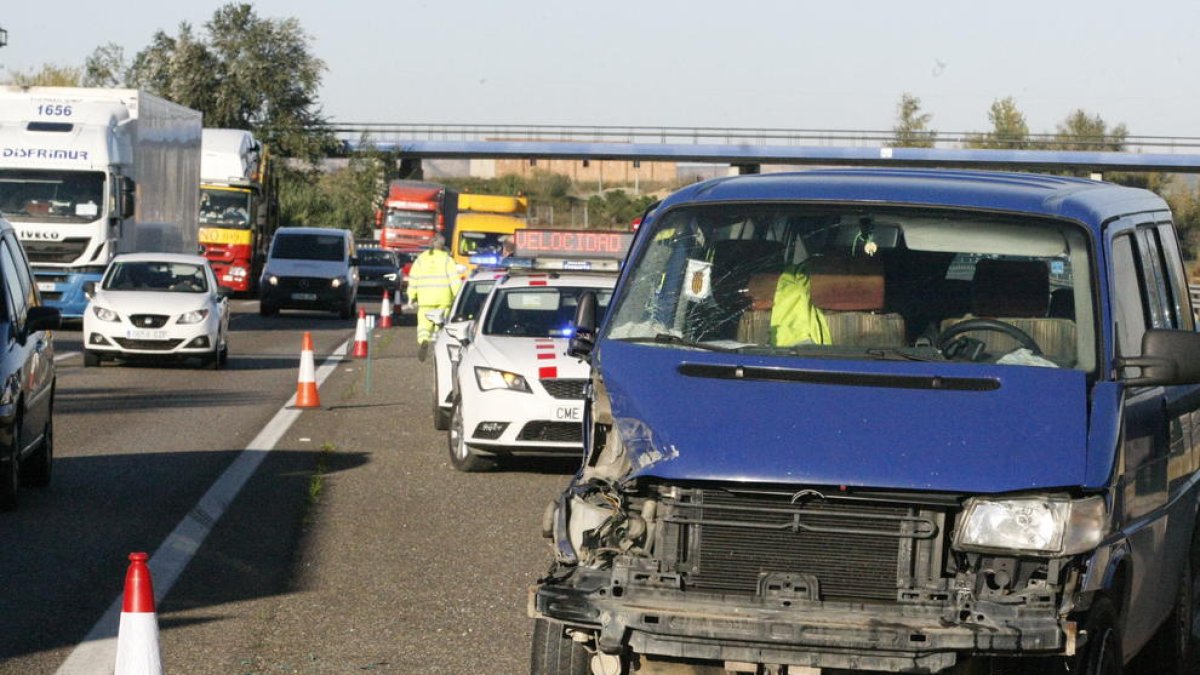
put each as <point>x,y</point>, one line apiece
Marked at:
<point>470,299</point>
<point>848,282</point>
<point>42,196</point>
<point>539,312</point>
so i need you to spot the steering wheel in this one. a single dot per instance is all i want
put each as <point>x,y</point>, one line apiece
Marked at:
<point>951,334</point>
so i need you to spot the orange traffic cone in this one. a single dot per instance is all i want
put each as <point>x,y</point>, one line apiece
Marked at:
<point>306,385</point>
<point>385,312</point>
<point>137,640</point>
<point>360,335</point>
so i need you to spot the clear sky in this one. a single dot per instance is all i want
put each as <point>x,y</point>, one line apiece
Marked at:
<point>789,63</point>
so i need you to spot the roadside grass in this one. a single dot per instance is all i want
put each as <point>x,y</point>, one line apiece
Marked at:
<point>316,483</point>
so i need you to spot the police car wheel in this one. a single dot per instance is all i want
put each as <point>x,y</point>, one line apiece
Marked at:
<point>461,456</point>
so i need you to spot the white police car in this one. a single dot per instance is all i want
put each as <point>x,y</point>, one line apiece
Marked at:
<point>447,342</point>
<point>516,391</point>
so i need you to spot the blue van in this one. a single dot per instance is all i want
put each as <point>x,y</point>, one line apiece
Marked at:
<point>894,420</point>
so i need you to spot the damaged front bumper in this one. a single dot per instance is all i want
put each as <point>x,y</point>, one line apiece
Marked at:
<point>629,607</point>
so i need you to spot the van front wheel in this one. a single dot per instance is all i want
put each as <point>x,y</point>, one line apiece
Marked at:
<point>1101,655</point>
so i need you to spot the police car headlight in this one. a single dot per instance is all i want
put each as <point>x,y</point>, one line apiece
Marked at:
<point>490,378</point>
<point>195,316</point>
<point>105,314</point>
<point>1047,525</point>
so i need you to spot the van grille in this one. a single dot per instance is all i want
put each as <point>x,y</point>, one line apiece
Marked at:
<point>855,550</point>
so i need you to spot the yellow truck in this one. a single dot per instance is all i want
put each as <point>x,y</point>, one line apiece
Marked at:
<point>484,221</point>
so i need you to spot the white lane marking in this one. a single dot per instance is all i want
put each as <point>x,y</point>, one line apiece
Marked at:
<point>97,654</point>
<point>63,356</point>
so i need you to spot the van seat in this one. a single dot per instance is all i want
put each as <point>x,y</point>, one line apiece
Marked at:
<point>850,293</point>
<point>1017,292</point>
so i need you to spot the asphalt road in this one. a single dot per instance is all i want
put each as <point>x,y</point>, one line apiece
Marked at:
<point>353,547</point>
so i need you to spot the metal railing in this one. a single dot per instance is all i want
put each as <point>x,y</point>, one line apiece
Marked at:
<point>397,132</point>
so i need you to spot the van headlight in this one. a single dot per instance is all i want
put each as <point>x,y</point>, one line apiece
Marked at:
<point>490,378</point>
<point>1053,525</point>
<point>105,314</point>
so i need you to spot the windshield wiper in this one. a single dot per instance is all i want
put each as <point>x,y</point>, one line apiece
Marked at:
<point>668,339</point>
<point>902,354</point>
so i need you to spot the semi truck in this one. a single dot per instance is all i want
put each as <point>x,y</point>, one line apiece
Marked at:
<point>239,206</point>
<point>413,212</point>
<point>86,174</point>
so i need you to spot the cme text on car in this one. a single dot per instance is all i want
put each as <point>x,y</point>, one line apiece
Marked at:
<point>900,420</point>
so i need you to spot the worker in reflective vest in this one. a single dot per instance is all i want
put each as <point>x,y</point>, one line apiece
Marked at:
<point>433,282</point>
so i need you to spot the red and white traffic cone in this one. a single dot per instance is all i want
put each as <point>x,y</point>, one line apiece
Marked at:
<point>360,335</point>
<point>306,385</point>
<point>137,640</point>
<point>385,312</point>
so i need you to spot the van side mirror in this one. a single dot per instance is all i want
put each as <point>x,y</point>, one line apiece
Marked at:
<point>1168,358</point>
<point>43,318</point>
<point>128,194</point>
<point>584,339</point>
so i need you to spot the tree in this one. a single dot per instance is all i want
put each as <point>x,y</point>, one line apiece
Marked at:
<point>246,72</point>
<point>106,67</point>
<point>616,209</point>
<point>49,76</point>
<point>1009,129</point>
<point>1080,131</point>
<point>912,126</point>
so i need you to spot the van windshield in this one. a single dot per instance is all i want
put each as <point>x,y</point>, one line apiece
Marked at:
<point>901,283</point>
<point>309,247</point>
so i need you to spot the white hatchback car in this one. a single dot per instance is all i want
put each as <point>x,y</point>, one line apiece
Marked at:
<point>157,305</point>
<point>447,344</point>
<point>516,390</point>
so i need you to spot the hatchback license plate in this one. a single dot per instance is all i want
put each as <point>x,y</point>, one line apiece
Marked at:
<point>304,296</point>
<point>146,334</point>
<point>570,413</point>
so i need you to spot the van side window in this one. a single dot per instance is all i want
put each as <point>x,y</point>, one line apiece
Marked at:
<point>1129,304</point>
<point>28,285</point>
<point>1162,309</point>
<point>1176,276</point>
<point>12,286</point>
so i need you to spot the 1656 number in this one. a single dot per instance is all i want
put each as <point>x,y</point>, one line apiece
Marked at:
<point>54,110</point>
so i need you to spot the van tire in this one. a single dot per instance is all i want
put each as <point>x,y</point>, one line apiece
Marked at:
<point>1175,647</point>
<point>267,310</point>
<point>1101,654</point>
<point>35,471</point>
<point>348,311</point>
<point>553,653</point>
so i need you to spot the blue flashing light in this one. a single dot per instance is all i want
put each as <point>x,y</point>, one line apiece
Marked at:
<point>487,259</point>
<point>519,263</point>
<point>567,332</point>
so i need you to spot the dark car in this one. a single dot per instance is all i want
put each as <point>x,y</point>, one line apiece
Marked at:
<point>378,271</point>
<point>27,371</point>
<point>892,420</point>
